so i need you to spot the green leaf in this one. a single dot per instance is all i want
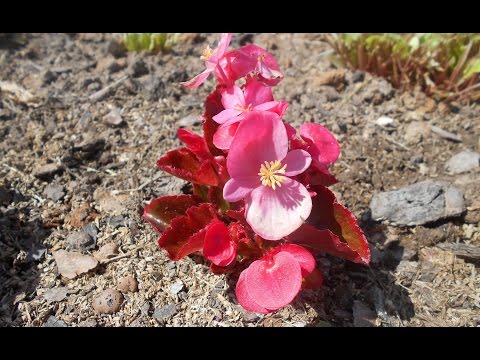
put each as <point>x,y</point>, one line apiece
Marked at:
<point>472,68</point>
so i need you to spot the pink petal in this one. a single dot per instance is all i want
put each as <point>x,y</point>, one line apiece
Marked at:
<point>291,132</point>
<point>257,93</point>
<point>267,106</point>
<point>221,47</point>
<point>226,115</point>
<point>324,147</point>
<point>303,256</point>
<point>236,189</point>
<point>232,97</point>
<point>261,136</point>
<point>273,281</point>
<point>244,299</point>
<point>297,162</point>
<point>273,214</point>
<point>223,137</point>
<point>197,80</point>
<point>217,246</point>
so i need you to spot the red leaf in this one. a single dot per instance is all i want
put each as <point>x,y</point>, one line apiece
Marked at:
<point>195,143</point>
<point>183,163</point>
<point>186,233</point>
<point>332,228</point>
<point>161,211</point>
<point>273,281</point>
<point>218,247</point>
<point>213,106</point>
<point>246,247</point>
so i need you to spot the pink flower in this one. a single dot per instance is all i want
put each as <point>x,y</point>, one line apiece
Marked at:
<point>252,59</point>
<point>211,58</point>
<point>260,167</point>
<point>274,281</point>
<point>237,103</point>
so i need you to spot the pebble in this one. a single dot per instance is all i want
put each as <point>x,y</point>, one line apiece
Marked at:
<point>165,312</point>
<point>418,204</point>
<point>415,132</point>
<point>55,294</point>
<point>386,122</point>
<point>358,76</point>
<point>113,118</point>
<point>189,120</point>
<point>463,162</point>
<point>54,192</point>
<point>47,171</point>
<point>108,301</point>
<point>80,240</point>
<point>72,264</point>
<point>176,287</point>
<point>107,251</point>
<point>52,321</point>
<point>116,221</point>
<point>128,284</point>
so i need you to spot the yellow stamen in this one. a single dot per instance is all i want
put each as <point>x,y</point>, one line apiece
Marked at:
<point>249,107</point>
<point>269,173</point>
<point>207,53</point>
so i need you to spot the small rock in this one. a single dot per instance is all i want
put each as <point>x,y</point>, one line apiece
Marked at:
<point>110,204</point>
<point>6,197</point>
<point>116,221</point>
<point>107,251</point>
<point>48,77</point>
<point>113,118</point>
<point>332,77</point>
<point>128,284</point>
<point>72,264</point>
<point>108,302</point>
<point>363,316</point>
<point>176,287</point>
<point>358,76</point>
<point>92,231</point>
<point>47,171</point>
<point>56,294</point>
<point>415,132</point>
<point>248,316</point>
<point>116,48</point>
<point>331,94</point>
<point>462,162</point>
<point>189,120</point>
<point>87,323</point>
<point>386,122</point>
<point>52,321</point>
<point>165,312</point>
<point>90,147</point>
<point>79,240</point>
<point>54,192</point>
<point>445,134</point>
<point>418,204</point>
<point>138,67</point>
<point>82,215</point>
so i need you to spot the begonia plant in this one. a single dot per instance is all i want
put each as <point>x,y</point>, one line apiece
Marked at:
<point>260,204</point>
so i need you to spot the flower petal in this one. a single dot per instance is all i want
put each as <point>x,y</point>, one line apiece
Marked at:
<point>273,281</point>
<point>238,188</point>
<point>217,246</point>
<point>257,93</point>
<point>223,137</point>
<point>233,96</point>
<point>303,256</point>
<point>245,300</point>
<point>226,115</point>
<point>273,214</point>
<point>261,136</point>
<point>221,47</point>
<point>297,162</point>
<point>324,147</point>
<point>197,80</point>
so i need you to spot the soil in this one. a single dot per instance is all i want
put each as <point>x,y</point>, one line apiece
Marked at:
<point>66,165</point>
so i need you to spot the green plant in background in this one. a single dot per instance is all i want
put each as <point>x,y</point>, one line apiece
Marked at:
<point>152,42</point>
<point>443,65</point>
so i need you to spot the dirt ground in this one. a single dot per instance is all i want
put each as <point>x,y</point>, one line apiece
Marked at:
<point>101,172</point>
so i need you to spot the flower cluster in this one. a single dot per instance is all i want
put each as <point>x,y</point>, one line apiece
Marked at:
<point>260,201</point>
